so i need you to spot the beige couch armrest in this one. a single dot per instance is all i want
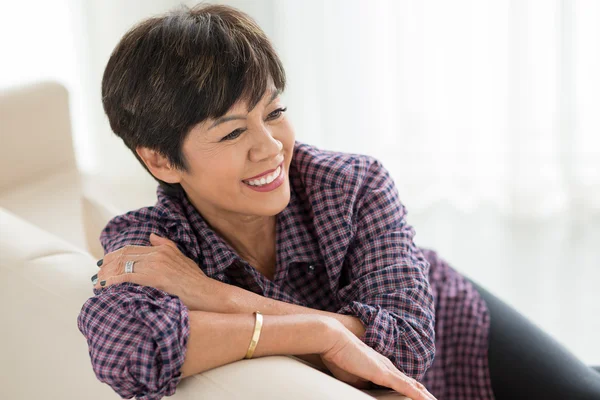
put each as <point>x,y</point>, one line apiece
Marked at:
<point>44,281</point>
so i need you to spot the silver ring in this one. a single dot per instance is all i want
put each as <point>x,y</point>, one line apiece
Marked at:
<point>129,267</point>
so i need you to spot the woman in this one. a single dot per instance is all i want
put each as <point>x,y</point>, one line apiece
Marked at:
<point>249,219</point>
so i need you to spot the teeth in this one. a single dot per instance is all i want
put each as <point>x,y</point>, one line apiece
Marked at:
<point>265,180</point>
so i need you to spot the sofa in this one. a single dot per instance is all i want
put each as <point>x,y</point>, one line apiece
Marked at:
<point>50,219</point>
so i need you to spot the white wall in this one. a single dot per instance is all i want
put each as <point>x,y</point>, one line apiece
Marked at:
<point>37,42</point>
<point>100,25</point>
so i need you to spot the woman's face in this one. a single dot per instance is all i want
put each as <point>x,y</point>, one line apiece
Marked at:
<point>223,154</point>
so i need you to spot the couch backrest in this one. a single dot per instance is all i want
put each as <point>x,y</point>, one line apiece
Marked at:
<point>35,132</point>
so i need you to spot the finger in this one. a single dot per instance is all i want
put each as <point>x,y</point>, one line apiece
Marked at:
<point>127,250</point>
<point>108,281</point>
<point>156,240</point>
<point>419,386</point>
<point>413,389</point>
<point>117,267</point>
<point>119,263</point>
<point>404,385</point>
<point>412,382</point>
<point>140,279</point>
<point>410,391</point>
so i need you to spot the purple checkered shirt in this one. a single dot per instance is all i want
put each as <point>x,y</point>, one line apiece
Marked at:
<point>343,245</point>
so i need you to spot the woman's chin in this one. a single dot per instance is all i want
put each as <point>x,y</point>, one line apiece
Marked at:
<point>270,202</point>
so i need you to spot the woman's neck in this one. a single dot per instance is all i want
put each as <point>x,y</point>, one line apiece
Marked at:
<point>257,248</point>
<point>252,237</point>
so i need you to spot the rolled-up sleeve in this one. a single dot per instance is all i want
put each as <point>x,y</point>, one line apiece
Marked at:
<point>137,338</point>
<point>137,335</point>
<point>388,288</point>
<point>133,228</point>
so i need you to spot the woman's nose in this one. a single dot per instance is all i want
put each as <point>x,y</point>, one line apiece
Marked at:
<point>266,146</point>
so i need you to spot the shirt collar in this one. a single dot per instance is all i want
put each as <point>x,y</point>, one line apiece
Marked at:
<point>216,255</point>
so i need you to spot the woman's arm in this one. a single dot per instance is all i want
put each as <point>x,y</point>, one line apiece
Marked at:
<point>218,339</point>
<point>143,341</point>
<point>388,288</point>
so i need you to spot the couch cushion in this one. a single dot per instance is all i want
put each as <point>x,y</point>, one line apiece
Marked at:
<point>52,203</point>
<point>44,281</point>
<point>76,207</point>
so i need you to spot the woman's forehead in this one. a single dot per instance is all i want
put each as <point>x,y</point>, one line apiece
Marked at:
<point>241,107</point>
<point>267,97</point>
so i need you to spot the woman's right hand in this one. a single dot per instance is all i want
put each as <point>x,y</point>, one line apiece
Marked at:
<point>351,358</point>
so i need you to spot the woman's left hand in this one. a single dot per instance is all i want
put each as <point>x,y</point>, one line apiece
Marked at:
<point>163,266</point>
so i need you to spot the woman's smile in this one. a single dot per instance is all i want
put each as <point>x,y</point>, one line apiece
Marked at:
<point>269,182</point>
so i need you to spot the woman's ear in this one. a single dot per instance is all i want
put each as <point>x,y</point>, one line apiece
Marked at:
<point>158,165</point>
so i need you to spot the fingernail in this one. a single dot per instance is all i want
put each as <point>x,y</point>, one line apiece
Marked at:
<point>102,283</point>
<point>95,277</point>
<point>99,263</point>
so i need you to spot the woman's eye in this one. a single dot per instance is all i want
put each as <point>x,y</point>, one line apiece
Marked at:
<point>233,135</point>
<point>277,113</point>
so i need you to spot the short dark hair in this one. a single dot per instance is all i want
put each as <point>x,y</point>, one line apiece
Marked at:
<point>173,71</point>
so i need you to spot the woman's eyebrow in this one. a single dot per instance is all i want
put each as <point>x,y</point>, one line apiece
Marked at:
<point>225,119</point>
<point>220,120</point>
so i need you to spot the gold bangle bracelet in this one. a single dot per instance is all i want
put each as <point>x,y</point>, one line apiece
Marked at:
<point>256,335</point>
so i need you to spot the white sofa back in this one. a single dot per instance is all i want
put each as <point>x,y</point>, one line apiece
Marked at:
<point>39,180</point>
<point>36,133</point>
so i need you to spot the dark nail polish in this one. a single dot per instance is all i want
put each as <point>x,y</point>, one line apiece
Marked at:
<point>102,283</point>
<point>95,277</point>
<point>99,263</point>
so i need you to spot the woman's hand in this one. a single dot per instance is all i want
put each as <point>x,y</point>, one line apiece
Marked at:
<point>347,377</point>
<point>350,360</point>
<point>163,266</point>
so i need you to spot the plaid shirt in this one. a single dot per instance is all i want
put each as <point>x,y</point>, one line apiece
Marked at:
<point>343,245</point>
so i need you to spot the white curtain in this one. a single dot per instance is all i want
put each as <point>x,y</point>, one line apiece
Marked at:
<point>475,103</point>
<point>470,103</point>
